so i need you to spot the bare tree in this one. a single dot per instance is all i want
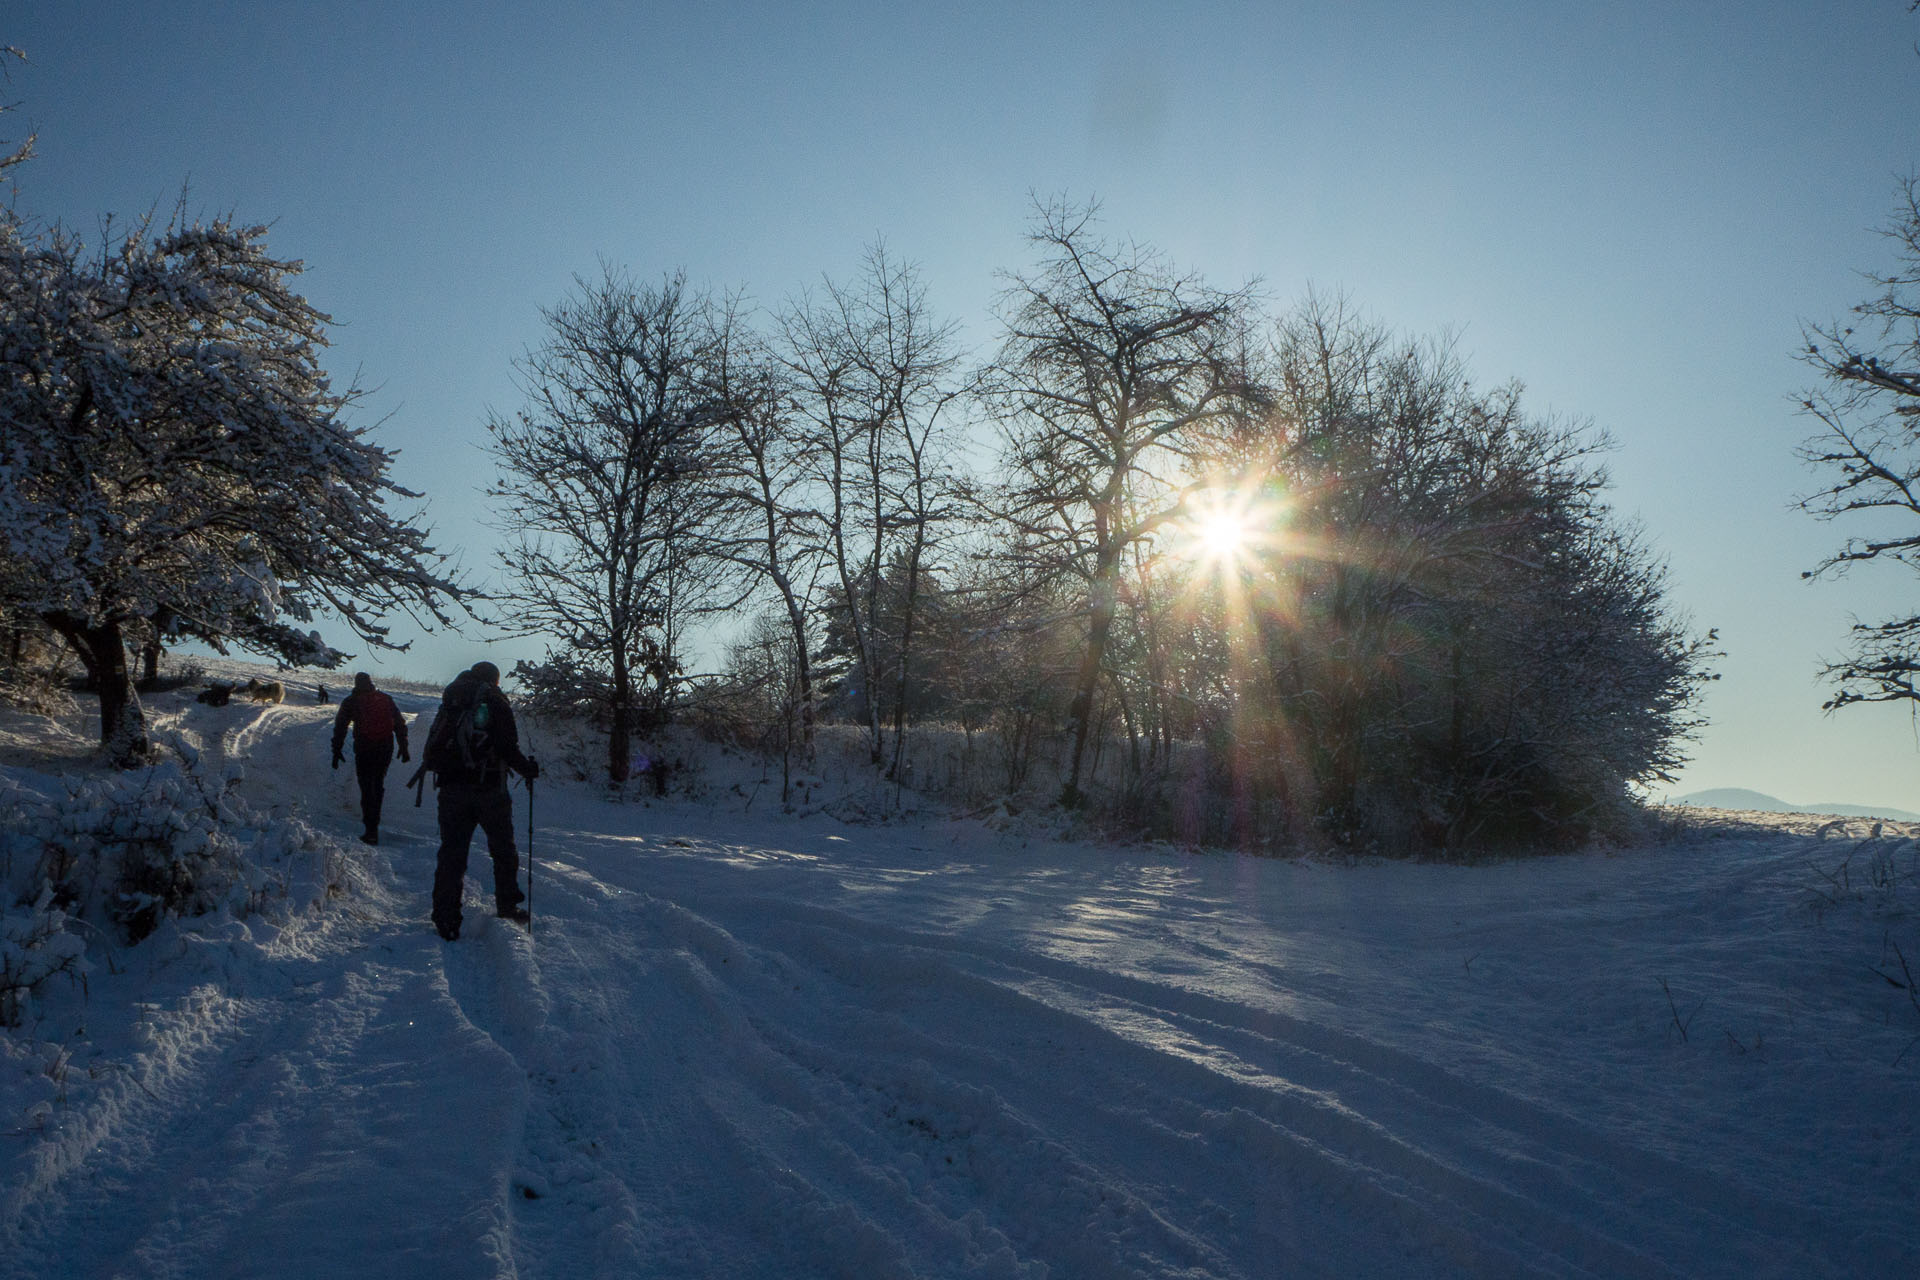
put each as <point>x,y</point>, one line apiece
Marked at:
<point>870,365</point>
<point>603,482</point>
<point>1112,369</point>
<point>1868,445</point>
<point>763,687</point>
<point>763,525</point>
<point>24,151</point>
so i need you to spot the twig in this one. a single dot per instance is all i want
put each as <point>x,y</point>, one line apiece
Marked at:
<point>1909,1049</point>
<point>1470,960</point>
<point>1830,878</point>
<point>138,1082</point>
<point>1676,1011</point>
<point>1912,995</point>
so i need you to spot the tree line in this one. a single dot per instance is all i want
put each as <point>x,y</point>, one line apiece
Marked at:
<point>1236,576</point>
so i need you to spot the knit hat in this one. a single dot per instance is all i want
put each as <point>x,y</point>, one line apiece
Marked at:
<point>487,672</point>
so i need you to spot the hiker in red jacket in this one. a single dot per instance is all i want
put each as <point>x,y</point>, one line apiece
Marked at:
<point>377,724</point>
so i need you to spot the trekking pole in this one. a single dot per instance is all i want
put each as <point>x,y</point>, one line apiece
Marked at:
<point>536,764</point>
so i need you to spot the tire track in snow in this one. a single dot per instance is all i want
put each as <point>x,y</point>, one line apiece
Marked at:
<point>572,1213</point>
<point>737,1081</point>
<point>255,1112</point>
<point>848,1142</point>
<point>656,1099</point>
<point>265,724</point>
<point>1085,1109</point>
<point>1483,1177</point>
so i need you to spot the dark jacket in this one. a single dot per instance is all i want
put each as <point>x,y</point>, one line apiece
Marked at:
<point>503,736</point>
<point>375,720</point>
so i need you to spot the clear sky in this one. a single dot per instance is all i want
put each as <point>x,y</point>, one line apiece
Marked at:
<point>1631,207</point>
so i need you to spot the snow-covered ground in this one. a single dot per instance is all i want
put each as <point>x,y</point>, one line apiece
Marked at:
<point>745,1044</point>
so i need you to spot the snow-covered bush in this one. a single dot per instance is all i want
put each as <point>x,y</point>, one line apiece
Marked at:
<point>34,667</point>
<point>119,853</point>
<point>35,945</point>
<point>37,691</point>
<point>169,840</point>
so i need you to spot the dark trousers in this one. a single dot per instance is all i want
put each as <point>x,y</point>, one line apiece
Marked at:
<point>370,761</point>
<point>462,808</point>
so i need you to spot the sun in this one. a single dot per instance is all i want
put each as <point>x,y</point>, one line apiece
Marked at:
<point>1226,528</point>
<point>1222,534</point>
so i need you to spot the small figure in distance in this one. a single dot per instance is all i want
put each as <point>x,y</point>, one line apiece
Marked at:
<point>377,726</point>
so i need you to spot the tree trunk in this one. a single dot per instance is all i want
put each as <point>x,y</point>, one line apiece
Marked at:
<point>1135,766</point>
<point>802,669</point>
<point>159,627</point>
<point>1080,710</point>
<point>906,650</point>
<point>620,730</point>
<point>123,721</point>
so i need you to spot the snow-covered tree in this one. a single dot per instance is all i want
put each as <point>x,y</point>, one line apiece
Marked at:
<point>1868,449</point>
<point>172,453</point>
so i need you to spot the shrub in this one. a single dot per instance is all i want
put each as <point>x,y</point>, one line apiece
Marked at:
<point>121,853</point>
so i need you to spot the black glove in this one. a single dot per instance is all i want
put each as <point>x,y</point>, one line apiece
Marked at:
<point>337,758</point>
<point>532,770</point>
<point>404,757</point>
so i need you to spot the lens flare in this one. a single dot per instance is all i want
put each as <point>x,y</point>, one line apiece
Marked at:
<point>1229,527</point>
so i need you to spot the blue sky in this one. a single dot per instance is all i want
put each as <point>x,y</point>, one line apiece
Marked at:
<point>1629,207</point>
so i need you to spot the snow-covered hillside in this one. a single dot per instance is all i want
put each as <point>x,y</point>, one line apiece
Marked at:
<point>1760,802</point>
<point>751,1045</point>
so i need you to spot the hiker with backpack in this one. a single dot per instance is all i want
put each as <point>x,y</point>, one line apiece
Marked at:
<point>470,749</point>
<point>377,725</point>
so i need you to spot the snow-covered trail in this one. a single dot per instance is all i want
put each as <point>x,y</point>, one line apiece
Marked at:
<point>922,1065</point>
<point>290,1132</point>
<point>757,1047</point>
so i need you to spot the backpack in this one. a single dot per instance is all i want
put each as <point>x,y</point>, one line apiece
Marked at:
<point>462,739</point>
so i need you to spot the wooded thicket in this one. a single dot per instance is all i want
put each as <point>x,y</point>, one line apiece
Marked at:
<point>1226,575</point>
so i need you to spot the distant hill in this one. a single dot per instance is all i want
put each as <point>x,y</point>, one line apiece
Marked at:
<point>1760,802</point>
